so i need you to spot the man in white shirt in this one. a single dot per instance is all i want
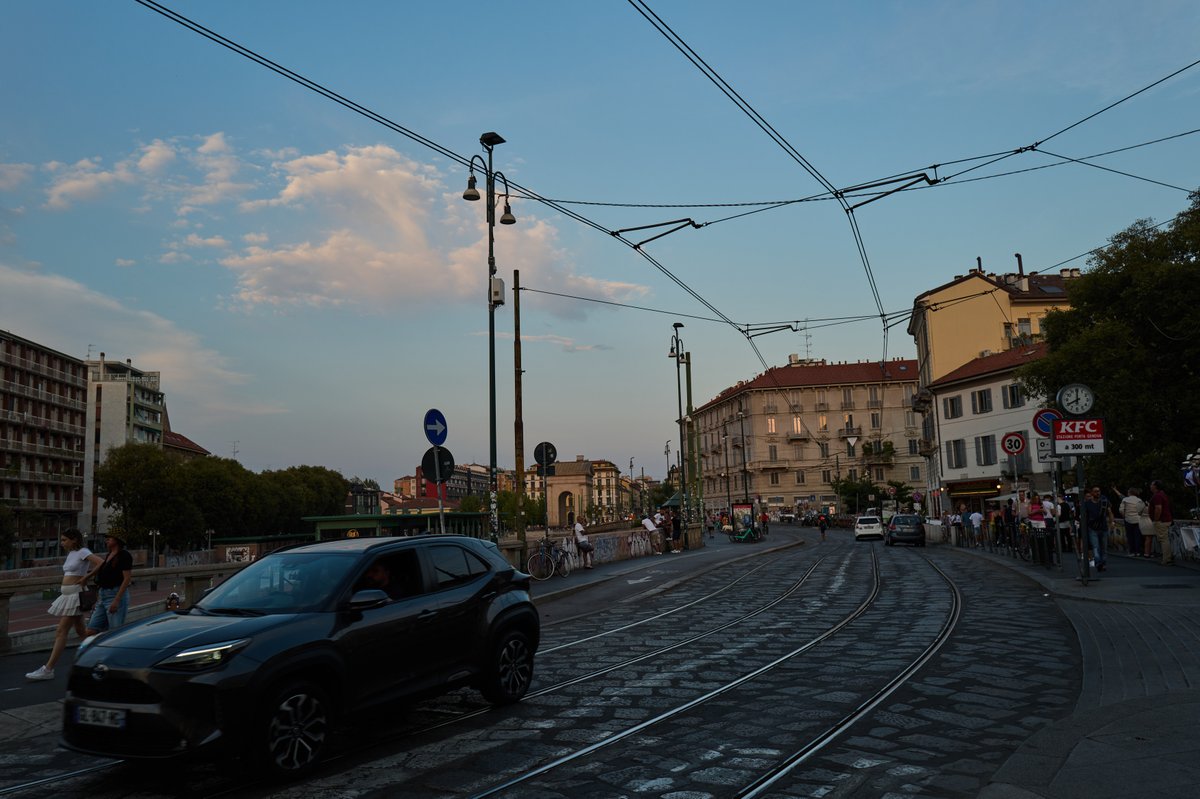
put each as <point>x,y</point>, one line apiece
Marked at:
<point>655,537</point>
<point>582,545</point>
<point>977,528</point>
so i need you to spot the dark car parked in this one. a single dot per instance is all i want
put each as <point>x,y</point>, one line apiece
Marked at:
<point>905,528</point>
<point>268,660</point>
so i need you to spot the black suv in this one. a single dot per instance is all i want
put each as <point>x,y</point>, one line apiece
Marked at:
<point>267,660</point>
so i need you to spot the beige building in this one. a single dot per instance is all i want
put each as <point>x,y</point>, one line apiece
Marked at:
<point>594,489</point>
<point>781,439</point>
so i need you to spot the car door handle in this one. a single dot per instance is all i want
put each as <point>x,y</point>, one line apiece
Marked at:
<point>426,616</point>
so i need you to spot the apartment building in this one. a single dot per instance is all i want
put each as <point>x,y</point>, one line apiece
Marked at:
<point>781,440</point>
<point>124,406</point>
<point>974,408</point>
<point>43,401</point>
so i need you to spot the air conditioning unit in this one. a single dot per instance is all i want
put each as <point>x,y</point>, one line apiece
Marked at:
<point>497,291</point>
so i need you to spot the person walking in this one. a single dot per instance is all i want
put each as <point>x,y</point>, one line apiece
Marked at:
<point>78,566</point>
<point>582,545</point>
<point>113,576</point>
<point>1096,521</point>
<point>977,529</point>
<point>676,532</point>
<point>1160,514</point>
<point>1130,510</point>
<point>1038,539</point>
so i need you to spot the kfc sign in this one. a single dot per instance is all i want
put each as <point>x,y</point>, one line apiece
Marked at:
<point>1078,436</point>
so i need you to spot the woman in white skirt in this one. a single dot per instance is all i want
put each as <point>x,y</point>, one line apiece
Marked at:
<point>81,562</point>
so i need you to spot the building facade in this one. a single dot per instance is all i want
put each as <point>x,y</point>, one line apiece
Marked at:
<point>43,402</point>
<point>780,441</point>
<point>124,406</point>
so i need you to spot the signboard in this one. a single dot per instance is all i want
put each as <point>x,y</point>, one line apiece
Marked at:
<point>439,470</point>
<point>1078,436</point>
<point>1013,443</point>
<point>1043,421</point>
<point>435,427</point>
<point>545,453</point>
<point>1045,451</point>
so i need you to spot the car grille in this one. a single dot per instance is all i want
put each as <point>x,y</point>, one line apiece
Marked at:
<point>113,688</point>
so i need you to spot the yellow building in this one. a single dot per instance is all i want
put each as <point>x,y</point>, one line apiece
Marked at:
<point>980,313</point>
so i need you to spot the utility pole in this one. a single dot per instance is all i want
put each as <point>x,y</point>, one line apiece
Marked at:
<point>519,419</point>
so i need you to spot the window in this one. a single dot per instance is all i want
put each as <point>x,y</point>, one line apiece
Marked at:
<point>798,451</point>
<point>823,446</point>
<point>774,478</point>
<point>847,397</point>
<point>800,477</point>
<point>876,420</point>
<point>826,476</point>
<point>1012,396</point>
<point>797,425</point>
<point>852,474</point>
<point>879,474</point>
<point>914,473</point>
<point>985,450</point>
<point>913,447</point>
<point>956,454</point>
<point>910,419</point>
<point>772,453</point>
<point>453,565</point>
<point>770,424</point>
<point>823,422</point>
<point>952,407</point>
<point>848,421</point>
<point>849,449</point>
<point>874,395</point>
<point>981,401</point>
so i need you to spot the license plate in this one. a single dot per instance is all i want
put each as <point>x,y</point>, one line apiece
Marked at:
<point>100,717</point>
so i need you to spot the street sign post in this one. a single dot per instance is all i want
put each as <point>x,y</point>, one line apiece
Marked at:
<point>436,429</point>
<point>1045,451</point>
<point>440,462</point>
<point>1043,421</point>
<point>1013,443</point>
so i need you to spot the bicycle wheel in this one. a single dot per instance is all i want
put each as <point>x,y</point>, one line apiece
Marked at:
<point>1085,568</point>
<point>540,566</point>
<point>562,567</point>
<point>1024,550</point>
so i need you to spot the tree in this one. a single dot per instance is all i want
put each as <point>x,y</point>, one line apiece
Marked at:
<point>1130,335</point>
<point>855,494</point>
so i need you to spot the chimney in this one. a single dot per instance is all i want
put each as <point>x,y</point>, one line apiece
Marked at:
<point>978,263</point>
<point>1020,264</point>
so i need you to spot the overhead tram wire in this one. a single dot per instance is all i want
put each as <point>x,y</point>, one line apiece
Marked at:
<point>713,76</point>
<point>247,53</point>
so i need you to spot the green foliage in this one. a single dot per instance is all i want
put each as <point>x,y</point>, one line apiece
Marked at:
<point>473,504</point>
<point>150,489</point>
<point>854,495</point>
<point>1130,336</point>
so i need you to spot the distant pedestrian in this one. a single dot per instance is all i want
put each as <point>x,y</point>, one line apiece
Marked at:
<point>1160,514</point>
<point>676,532</point>
<point>653,533</point>
<point>77,567</point>
<point>1096,522</point>
<point>822,523</point>
<point>1131,509</point>
<point>977,528</point>
<point>582,544</point>
<point>113,577</point>
<point>1039,539</point>
<point>764,520</point>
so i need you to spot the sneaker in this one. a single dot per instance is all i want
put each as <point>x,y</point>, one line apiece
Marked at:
<point>42,673</point>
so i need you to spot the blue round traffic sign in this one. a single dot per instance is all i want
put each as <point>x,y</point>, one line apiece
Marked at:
<point>1043,421</point>
<point>435,427</point>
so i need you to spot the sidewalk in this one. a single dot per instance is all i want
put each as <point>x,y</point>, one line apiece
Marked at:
<point>1133,732</point>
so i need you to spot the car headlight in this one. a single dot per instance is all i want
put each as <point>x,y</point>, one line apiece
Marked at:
<point>199,658</point>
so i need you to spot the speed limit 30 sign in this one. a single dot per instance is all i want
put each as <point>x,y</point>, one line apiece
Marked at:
<point>1013,443</point>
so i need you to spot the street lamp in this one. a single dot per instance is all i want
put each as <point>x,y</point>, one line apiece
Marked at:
<point>745,487</point>
<point>677,355</point>
<point>495,296</point>
<point>667,455</point>
<point>154,558</point>
<point>725,449</point>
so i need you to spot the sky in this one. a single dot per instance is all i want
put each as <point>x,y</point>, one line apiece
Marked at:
<point>309,281</point>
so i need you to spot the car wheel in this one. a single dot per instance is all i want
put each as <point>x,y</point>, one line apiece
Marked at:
<point>509,671</point>
<point>294,729</point>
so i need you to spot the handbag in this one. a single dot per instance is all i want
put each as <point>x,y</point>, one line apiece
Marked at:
<point>87,599</point>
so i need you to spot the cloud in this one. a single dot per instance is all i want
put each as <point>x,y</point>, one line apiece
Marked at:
<point>215,158</point>
<point>124,262</point>
<point>83,180</point>
<point>196,379</point>
<point>212,241</point>
<point>156,156</point>
<point>13,175</point>
<point>256,238</point>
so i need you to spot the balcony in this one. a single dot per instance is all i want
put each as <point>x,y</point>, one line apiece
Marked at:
<point>922,400</point>
<point>926,447</point>
<point>803,435</point>
<point>850,430</point>
<point>874,403</point>
<point>822,406</point>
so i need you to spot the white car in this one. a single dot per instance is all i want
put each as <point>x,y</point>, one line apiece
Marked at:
<point>868,527</point>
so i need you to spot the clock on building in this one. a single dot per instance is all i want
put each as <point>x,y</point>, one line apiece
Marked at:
<point>1075,399</point>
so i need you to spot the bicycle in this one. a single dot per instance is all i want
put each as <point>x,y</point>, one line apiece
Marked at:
<point>749,534</point>
<point>550,559</point>
<point>1023,547</point>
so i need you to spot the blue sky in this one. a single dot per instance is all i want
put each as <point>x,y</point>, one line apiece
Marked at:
<point>310,282</point>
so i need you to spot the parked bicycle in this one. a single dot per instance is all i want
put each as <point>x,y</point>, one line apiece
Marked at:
<point>550,559</point>
<point>750,535</point>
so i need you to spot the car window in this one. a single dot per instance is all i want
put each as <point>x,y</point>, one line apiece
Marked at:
<point>907,520</point>
<point>293,582</point>
<point>398,574</point>
<point>868,520</point>
<point>453,565</point>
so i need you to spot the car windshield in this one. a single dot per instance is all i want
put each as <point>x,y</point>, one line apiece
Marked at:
<point>285,583</point>
<point>907,519</point>
<point>868,520</point>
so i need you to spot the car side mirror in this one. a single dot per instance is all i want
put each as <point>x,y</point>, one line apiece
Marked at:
<point>368,598</point>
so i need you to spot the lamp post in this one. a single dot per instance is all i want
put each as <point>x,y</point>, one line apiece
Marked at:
<point>676,354</point>
<point>745,486</point>
<point>495,296</point>
<point>725,449</point>
<point>154,558</point>
<point>667,455</point>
